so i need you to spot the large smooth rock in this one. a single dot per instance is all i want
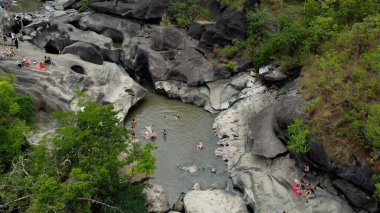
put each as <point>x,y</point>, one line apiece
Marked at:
<point>231,125</point>
<point>179,90</point>
<point>232,24</point>
<point>139,9</point>
<point>99,22</point>
<point>360,176</point>
<point>156,199</point>
<point>263,136</point>
<point>51,90</point>
<point>266,185</point>
<point>167,38</point>
<point>215,201</point>
<point>229,24</point>
<point>357,197</point>
<point>85,51</point>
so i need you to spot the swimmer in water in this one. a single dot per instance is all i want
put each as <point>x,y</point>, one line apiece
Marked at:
<point>177,117</point>
<point>165,133</point>
<point>200,145</point>
<point>133,122</point>
<point>133,133</point>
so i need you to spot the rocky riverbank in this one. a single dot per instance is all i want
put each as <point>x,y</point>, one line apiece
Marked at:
<point>93,50</point>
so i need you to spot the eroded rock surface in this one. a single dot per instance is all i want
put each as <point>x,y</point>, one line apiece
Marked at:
<point>156,199</point>
<point>213,201</point>
<point>51,90</point>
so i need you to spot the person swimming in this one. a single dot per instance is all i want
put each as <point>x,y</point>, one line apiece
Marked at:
<point>133,132</point>
<point>177,117</point>
<point>165,133</point>
<point>200,145</point>
<point>133,122</point>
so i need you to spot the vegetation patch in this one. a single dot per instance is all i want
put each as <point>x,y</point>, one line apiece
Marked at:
<point>298,136</point>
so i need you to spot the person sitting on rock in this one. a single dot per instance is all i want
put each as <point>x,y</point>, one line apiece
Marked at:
<point>19,64</point>
<point>10,52</point>
<point>308,194</point>
<point>296,190</point>
<point>48,60</point>
<point>41,66</point>
<point>200,145</point>
<point>25,63</point>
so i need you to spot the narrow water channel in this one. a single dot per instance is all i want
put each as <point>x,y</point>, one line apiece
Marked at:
<point>179,147</point>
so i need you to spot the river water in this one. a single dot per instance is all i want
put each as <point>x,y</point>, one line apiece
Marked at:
<point>23,5</point>
<point>179,147</point>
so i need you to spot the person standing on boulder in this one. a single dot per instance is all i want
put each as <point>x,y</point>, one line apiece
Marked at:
<point>5,39</point>
<point>16,43</point>
<point>13,36</point>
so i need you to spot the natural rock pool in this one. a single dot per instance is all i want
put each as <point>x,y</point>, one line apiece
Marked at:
<point>25,5</point>
<point>179,148</point>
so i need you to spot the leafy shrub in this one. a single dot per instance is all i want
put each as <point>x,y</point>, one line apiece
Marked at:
<point>184,13</point>
<point>84,5</point>
<point>230,66</point>
<point>372,126</point>
<point>376,193</point>
<point>298,135</point>
<point>232,50</point>
<point>234,4</point>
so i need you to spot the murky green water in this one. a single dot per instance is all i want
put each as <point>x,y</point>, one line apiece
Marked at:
<point>179,147</point>
<point>23,5</point>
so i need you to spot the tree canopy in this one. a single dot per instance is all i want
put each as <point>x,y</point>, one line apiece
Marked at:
<point>77,168</point>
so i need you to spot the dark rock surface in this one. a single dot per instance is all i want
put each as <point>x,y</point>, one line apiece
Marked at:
<point>85,51</point>
<point>357,197</point>
<point>139,9</point>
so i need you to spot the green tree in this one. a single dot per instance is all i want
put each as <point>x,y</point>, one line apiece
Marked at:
<point>76,169</point>
<point>298,135</point>
<point>15,114</point>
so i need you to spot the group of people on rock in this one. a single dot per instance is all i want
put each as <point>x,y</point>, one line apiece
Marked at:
<point>10,52</point>
<point>303,188</point>
<point>149,133</point>
<point>42,65</point>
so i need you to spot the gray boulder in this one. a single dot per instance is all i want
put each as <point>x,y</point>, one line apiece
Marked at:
<point>214,201</point>
<point>156,199</point>
<point>179,205</point>
<point>263,136</point>
<point>232,24</point>
<point>357,197</point>
<point>272,73</point>
<point>85,51</point>
<point>165,38</point>
<point>139,9</point>
<point>99,22</point>
<point>229,24</point>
